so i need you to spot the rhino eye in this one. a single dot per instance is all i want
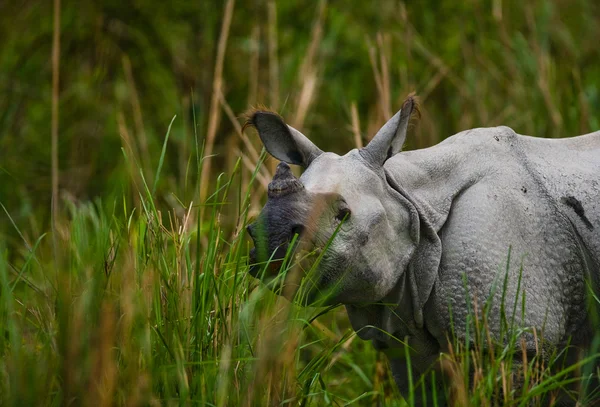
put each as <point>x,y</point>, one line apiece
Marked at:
<point>343,213</point>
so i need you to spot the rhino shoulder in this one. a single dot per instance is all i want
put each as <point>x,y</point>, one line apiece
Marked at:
<point>463,157</point>
<point>482,136</point>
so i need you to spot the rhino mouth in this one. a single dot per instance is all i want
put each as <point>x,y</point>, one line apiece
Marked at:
<point>302,253</point>
<point>271,267</point>
<point>298,276</point>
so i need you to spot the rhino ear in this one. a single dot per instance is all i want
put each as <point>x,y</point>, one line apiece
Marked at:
<point>390,138</point>
<point>282,141</point>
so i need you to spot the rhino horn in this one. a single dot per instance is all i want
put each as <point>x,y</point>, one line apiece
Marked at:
<point>284,182</point>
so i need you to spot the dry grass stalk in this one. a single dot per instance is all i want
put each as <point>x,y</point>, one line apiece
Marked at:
<point>355,126</point>
<point>305,99</point>
<point>273,59</point>
<point>104,376</point>
<point>308,74</point>
<point>505,39</point>
<point>254,66</point>
<point>458,393</point>
<point>183,145</point>
<point>140,132</point>
<point>224,366</point>
<point>382,42</point>
<point>131,153</point>
<point>316,34</point>
<point>432,84</point>
<point>543,79</point>
<point>322,328</point>
<point>379,65</point>
<point>253,75</point>
<point>405,71</point>
<point>55,101</point>
<point>215,112</point>
<point>381,87</point>
<point>380,376</point>
<point>273,66</point>
<point>251,161</point>
<point>252,152</point>
<point>263,181</point>
<point>344,349</point>
<point>584,117</point>
<point>272,353</point>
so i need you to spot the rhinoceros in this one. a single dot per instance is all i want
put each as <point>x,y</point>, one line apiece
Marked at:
<point>421,237</point>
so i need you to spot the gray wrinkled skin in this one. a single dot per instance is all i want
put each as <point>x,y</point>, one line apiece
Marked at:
<point>421,220</point>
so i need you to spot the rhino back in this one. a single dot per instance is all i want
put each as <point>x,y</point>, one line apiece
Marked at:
<point>489,191</point>
<point>569,172</point>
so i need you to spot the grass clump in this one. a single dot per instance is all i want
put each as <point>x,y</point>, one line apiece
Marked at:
<point>144,307</point>
<point>137,307</point>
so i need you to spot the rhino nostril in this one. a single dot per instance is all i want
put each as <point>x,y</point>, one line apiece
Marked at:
<point>297,230</point>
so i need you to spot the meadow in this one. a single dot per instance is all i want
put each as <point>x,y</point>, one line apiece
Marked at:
<point>127,180</point>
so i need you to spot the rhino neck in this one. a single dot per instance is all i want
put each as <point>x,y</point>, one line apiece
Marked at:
<point>389,325</point>
<point>389,318</point>
<point>433,178</point>
<point>426,183</point>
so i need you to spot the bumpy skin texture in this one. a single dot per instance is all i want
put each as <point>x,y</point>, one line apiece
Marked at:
<point>488,190</point>
<point>431,232</point>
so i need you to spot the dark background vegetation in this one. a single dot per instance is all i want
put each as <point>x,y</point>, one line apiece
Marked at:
<point>132,66</point>
<point>131,286</point>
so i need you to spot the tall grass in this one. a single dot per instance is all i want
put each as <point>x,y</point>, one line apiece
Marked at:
<point>136,310</point>
<point>140,294</point>
<point>131,307</point>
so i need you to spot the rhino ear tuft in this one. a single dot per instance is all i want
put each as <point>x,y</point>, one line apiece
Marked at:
<point>282,141</point>
<point>390,138</point>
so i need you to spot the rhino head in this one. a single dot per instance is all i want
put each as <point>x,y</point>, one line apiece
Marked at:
<point>345,197</point>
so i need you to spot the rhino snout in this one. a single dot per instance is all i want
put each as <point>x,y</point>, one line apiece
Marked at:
<point>284,215</point>
<point>295,229</point>
<point>270,246</point>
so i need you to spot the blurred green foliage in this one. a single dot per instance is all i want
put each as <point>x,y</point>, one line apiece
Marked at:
<point>530,65</point>
<point>143,298</point>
